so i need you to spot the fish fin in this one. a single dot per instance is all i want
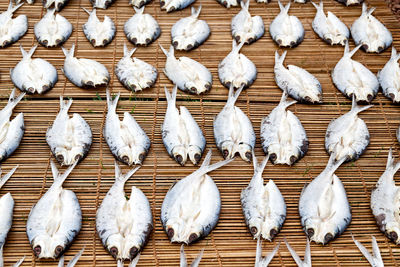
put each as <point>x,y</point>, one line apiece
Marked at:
<point>65,106</point>
<point>69,53</point>
<point>135,261</point>
<point>376,251</point>
<point>19,262</point>
<point>12,8</point>
<point>75,259</point>
<point>128,53</point>
<point>307,255</point>
<point>12,100</point>
<point>112,104</point>
<point>60,178</point>
<point>171,98</point>
<point>196,12</point>
<point>139,10</point>
<point>87,11</point>
<point>357,108</point>
<point>6,177</point>
<point>280,59</point>
<point>123,178</point>
<point>183,261</point>
<point>232,95</point>
<point>296,257</point>
<point>197,260</point>
<point>364,251</point>
<point>206,167</point>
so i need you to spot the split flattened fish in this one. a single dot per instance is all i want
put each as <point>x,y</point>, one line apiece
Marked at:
<point>370,33</point>
<point>283,137</point>
<point>126,139</point>
<point>141,29</point>
<point>103,4</point>
<point>236,69</point>
<point>56,4</point>
<point>190,32</point>
<point>11,30</point>
<point>135,74</point>
<point>229,3</point>
<point>348,135</point>
<point>99,33</point>
<point>297,82</point>
<point>124,224</point>
<point>189,75</point>
<point>73,261</point>
<point>285,30</point>
<point>246,28</point>
<point>263,206</point>
<point>182,136</point>
<point>84,72</point>
<point>52,30</point>
<point>323,207</point>
<point>195,262</point>
<point>389,78</point>
<point>353,78</point>
<point>191,207</point>
<point>233,131</point>
<point>173,5</point>
<point>307,255</point>
<point>55,220</point>
<point>329,28</point>
<point>264,261</point>
<point>11,131</point>
<point>385,202</point>
<point>139,3</point>
<point>375,259</point>
<point>33,75</point>
<point>69,138</point>
<point>350,2</point>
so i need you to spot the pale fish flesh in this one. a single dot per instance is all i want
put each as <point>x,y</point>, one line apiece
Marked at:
<point>375,259</point>
<point>56,4</point>
<point>307,255</point>
<point>389,78</point>
<point>11,30</point>
<point>73,261</point>
<point>195,262</point>
<point>264,261</point>
<point>99,33</point>
<point>141,29</point>
<point>173,5</point>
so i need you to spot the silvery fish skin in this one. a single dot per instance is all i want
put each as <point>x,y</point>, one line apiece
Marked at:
<point>263,206</point>
<point>329,28</point>
<point>103,4</point>
<point>139,3</point>
<point>190,32</point>
<point>69,138</point>
<point>195,262</point>
<point>233,131</point>
<point>264,261</point>
<point>389,78</point>
<point>236,69</point>
<point>84,72</point>
<point>126,139</point>
<point>124,225</point>
<point>283,136</point>
<point>353,78</point>
<point>56,4</point>
<point>182,136</point>
<point>55,220</point>
<point>141,29</point>
<point>307,255</point>
<point>285,30</point>
<point>135,74</point>
<point>99,33</point>
<point>385,201</point>
<point>191,207</point>
<point>375,259</point>
<point>246,28</point>
<point>348,135</point>
<point>229,3</point>
<point>189,75</point>
<point>297,82</point>
<point>323,207</point>
<point>173,5</point>
<point>11,30</point>
<point>11,131</point>
<point>52,30</point>
<point>370,33</point>
<point>33,75</point>
<point>73,261</point>
<point>350,2</point>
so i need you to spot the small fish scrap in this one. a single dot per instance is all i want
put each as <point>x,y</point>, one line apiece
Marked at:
<point>264,261</point>
<point>103,4</point>
<point>142,29</point>
<point>389,78</point>
<point>350,2</point>
<point>56,4</point>
<point>307,255</point>
<point>229,3</point>
<point>173,5</point>
<point>99,33</point>
<point>73,261</point>
<point>375,259</point>
<point>195,262</point>
<point>139,3</point>
<point>11,30</point>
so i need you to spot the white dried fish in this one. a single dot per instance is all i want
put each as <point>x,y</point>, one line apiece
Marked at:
<point>126,139</point>
<point>233,131</point>
<point>139,3</point>
<point>370,33</point>
<point>33,75</point>
<point>103,4</point>
<point>329,28</point>
<point>191,208</point>
<point>73,261</point>
<point>263,206</point>
<point>84,72</point>
<point>135,74</point>
<point>389,78</point>
<point>55,220</point>
<point>52,30</point>
<point>236,69</point>
<point>264,261</point>
<point>141,29</point>
<point>350,2</point>
<point>195,262</point>
<point>246,28</point>
<point>69,138</point>
<point>285,30</point>
<point>189,75</point>
<point>11,30</point>
<point>56,4</point>
<point>182,136</point>
<point>283,136</point>
<point>229,3</point>
<point>297,82</point>
<point>375,259</point>
<point>99,33</point>
<point>190,32</point>
<point>173,5</point>
<point>307,255</point>
<point>353,78</point>
<point>124,224</point>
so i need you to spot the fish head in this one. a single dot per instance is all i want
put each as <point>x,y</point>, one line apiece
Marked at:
<point>124,248</point>
<point>245,152</point>
<point>267,229</point>
<point>181,231</point>
<point>321,231</point>
<point>227,149</point>
<point>289,155</point>
<point>376,46</point>
<point>287,40</point>
<point>49,247</point>
<point>392,230</point>
<point>195,154</point>
<point>132,156</point>
<point>334,39</point>
<point>68,157</point>
<point>179,153</point>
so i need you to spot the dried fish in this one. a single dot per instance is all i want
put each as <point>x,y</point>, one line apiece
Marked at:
<point>173,5</point>
<point>99,33</point>
<point>307,255</point>
<point>142,29</point>
<point>375,259</point>
<point>11,30</point>
<point>389,78</point>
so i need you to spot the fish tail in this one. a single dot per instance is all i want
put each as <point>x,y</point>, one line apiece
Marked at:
<point>236,47</point>
<point>197,260</point>
<point>245,4</point>
<point>13,101</point>
<point>364,251</point>
<point>284,102</point>
<point>279,59</point>
<point>135,261</point>
<point>307,254</point>
<point>281,7</point>
<point>65,106</point>
<point>196,12</point>
<point>206,167</point>
<point>1,252</point>
<point>319,6</point>
<point>60,178</point>
<point>357,108</point>
<point>112,104</point>
<point>171,98</point>
<point>139,10</point>
<point>12,8</point>
<point>6,177</point>
<point>69,53</point>
<point>259,168</point>
<point>232,95</point>
<point>390,163</point>
<point>128,53</point>
<point>366,11</point>
<point>19,262</point>
<point>123,178</point>
<point>260,261</point>
<point>347,51</point>
<point>294,254</point>
<point>334,164</point>
<point>75,259</point>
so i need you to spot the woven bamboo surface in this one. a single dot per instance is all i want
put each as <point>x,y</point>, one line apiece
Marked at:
<point>230,244</point>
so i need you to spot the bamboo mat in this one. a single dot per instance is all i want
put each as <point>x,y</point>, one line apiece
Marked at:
<point>230,244</point>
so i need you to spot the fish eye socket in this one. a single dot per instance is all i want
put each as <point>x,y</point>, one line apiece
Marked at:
<point>273,233</point>
<point>310,232</point>
<point>125,159</point>
<point>328,237</point>
<point>141,157</point>
<point>393,236</point>
<point>60,158</point>
<point>170,233</point>
<point>78,157</point>
<point>59,249</point>
<point>114,251</point>
<point>272,157</point>
<point>253,230</point>
<point>37,250</point>
<point>193,237</point>
<point>133,252</point>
